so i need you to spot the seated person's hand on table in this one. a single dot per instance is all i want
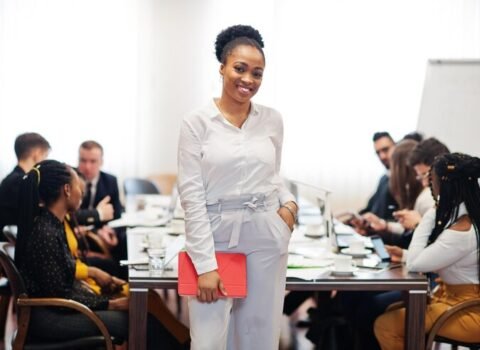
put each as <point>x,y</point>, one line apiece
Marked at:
<point>118,304</point>
<point>108,235</point>
<point>396,253</point>
<point>408,218</point>
<point>105,209</point>
<point>209,284</point>
<point>375,223</point>
<point>360,225</point>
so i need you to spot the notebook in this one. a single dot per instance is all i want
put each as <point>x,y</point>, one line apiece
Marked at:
<point>232,268</point>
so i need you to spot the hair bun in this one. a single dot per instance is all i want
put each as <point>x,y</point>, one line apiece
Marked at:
<point>457,166</point>
<point>234,32</point>
<point>473,167</point>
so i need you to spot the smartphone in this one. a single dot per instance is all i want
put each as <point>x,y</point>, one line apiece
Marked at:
<point>373,264</point>
<point>379,247</point>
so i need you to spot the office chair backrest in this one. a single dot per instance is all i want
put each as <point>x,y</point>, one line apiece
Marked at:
<point>139,186</point>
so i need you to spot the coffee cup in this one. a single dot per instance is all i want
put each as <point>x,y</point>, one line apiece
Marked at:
<point>177,226</point>
<point>343,263</point>
<point>314,229</point>
<point>357,247</point>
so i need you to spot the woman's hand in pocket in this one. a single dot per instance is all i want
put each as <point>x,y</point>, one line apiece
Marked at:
<point>287,217</point>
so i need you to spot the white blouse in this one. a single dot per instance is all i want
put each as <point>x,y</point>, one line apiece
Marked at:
<point>216,160</point>
<point>453,255</point>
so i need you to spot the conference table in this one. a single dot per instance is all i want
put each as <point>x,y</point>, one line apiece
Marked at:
<point>310,269</point>
<point>308,279</point>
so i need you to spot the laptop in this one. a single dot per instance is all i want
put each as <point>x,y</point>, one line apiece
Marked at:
<point>136,220</point>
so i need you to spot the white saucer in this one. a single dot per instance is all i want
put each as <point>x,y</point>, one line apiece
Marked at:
<point>363,253</point>
<point>314,235</point>
<point>344,272</point>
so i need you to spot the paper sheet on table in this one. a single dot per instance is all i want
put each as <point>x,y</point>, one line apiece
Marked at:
<point>143,230</point>
<point>133,220</point>
<point>307,274</point>
<point>299,262</point>
<point>312,252</point>
<point>342,229</point>
<point>174,248</point>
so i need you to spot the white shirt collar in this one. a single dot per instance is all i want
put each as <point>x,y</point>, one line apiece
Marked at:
<point>213,111</point>
<point>94,181</point>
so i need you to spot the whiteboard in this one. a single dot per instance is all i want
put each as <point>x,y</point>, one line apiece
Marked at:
<point>450,107</point>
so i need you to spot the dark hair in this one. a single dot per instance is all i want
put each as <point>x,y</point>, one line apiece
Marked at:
<point>414,135</point>
<point>40,186</point>
<point>458,183</point>
<point>28,141</point>
<point>426,151</point>
<point>90,144</point>
<point>233,36</point>
<point>378,135</point>
<point>403,181</point>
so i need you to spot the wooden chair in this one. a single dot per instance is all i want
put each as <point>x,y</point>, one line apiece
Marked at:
<point>20,339</point>
<point>433,337</point>
<point>10,233</point>
<point>164,182</point>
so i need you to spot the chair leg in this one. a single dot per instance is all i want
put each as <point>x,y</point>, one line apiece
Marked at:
<point>179,305</point>
<point>4,303</point>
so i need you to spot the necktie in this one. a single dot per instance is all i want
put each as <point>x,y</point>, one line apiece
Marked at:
<point>87,200</point>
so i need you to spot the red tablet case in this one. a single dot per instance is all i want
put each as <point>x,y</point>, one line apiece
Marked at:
<point>232,268</point>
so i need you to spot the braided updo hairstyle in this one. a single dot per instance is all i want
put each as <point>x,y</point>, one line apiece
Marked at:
<point>40,186</point>
<point>233,36</point>
<point>457,175</point>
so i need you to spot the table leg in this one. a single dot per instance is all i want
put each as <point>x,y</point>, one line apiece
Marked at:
<point>137,319</point>
<point>415,320</point>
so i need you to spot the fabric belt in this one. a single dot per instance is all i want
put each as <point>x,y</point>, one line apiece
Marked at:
<point>244,205</point>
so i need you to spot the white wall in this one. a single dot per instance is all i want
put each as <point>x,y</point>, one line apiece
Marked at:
<point>124,72</point>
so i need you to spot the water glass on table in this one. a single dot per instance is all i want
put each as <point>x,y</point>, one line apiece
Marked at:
<point>156,261</point>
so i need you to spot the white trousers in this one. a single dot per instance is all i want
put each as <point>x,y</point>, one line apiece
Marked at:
<point>252,323</point>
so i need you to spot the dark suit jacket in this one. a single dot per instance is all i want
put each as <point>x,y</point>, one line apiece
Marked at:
<point>9,193</point>
<point>107,186</point>
<point>382,202</point>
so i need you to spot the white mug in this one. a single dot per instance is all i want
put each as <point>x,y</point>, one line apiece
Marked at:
<point>177,226</point>
<point>344,263</point>
<point>314,229</point>
<point>357,246</point>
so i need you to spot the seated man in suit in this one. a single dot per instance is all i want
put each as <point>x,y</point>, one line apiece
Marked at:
<point>30,149</point>
<point>382,203</point>
<point>101,202</point>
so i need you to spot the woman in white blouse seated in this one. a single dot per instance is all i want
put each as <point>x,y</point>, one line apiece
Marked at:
<point>446,242</point>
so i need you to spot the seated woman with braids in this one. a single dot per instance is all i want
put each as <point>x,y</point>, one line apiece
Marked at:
<point>447,242</point>
<point>48,192</point>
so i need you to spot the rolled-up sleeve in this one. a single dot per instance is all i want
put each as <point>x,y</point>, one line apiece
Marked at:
<point>199,239</point>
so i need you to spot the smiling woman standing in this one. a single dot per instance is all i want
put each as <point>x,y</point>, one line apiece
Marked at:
<point>229,158</point>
